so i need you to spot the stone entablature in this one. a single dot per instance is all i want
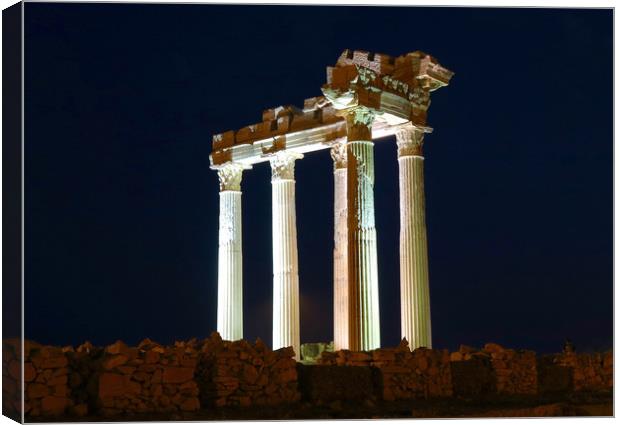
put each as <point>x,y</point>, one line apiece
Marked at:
<point>397,89</point>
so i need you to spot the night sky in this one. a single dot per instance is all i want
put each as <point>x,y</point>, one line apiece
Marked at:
<point>121,214</point>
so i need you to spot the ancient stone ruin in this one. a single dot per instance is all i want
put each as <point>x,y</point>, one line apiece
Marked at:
<point>367,96</point>
<point>119,381</point>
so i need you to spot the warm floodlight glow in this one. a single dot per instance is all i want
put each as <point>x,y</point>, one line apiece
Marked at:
<point>366,95</point>
<point>341,280</point>
<point>229,276</point>
<point>414,289</point>
<point>364,333</point>
<point>285,269</point>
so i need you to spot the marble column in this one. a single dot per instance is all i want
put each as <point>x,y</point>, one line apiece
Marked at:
<point>414,290</point>
<point>230,275</point>
<point>341,283</point>
<point>364,330</point>
<point>285,270</point>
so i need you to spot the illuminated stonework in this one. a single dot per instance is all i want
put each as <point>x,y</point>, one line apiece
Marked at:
<point>230,177</point>
<point>415,300</point>
<point>230,257</point>
<point>367,97</point>
<point>409,140</point>
<point>341,281</point>
<point>362,235</point>
<point>285,269</point>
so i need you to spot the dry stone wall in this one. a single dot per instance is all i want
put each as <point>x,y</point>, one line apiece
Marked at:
<point>515,370</point>
<point>472,373</point>
<point>148,378</point>
<point>243,374</point>
<point>320,384</point>
<point>46,378</point>
<point>120,381</point>
<point>591,372</point>
<point>423,373</point>
<point>11,379</point>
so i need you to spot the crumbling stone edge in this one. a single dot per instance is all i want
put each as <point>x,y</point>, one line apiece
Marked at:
<point>212,373</point>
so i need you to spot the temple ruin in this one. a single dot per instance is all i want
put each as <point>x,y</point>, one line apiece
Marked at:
<point>367,97</point>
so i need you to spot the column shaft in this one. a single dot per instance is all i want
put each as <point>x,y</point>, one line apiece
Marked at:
<point>230,274</point>
<point>414,284</point>
<point>230,261</point>
<point>285,264</point>
<point>364,329</point>
<point>341,283</point>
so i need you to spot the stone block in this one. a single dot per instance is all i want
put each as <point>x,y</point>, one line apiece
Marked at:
<point>473,378</point>
<point>190,404</point>
<point>52,405</point>
<point>113,385</point>
<point>37,390</point>
<point>115,361</point>
<point>177,375</point>
<point>329,383</point>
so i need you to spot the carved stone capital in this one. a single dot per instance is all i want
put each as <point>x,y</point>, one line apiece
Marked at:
<point>338,153</point>
<point>359,123</point>
<point>409,140</point>
<point>283,165</point>
<point>230,176</point>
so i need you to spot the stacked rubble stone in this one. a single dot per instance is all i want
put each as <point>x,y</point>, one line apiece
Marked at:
<point>151,378</point>
<point>467,353</point>
<point>515,371</point>
<point>11,378</point>
<point>85,366</point>
<point>607,371</point>
<point>243,374</point>
<point>148,378</point>
<point>423,373</point>
<point>472,373</point>
<point>46,377</point>
<point>553,378</point>
<point>591,372</point>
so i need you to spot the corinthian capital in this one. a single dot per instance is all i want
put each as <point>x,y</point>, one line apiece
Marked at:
<point>230,176</point>
<point>338,153</point>
<point>283,165</point>
<point>359,123</point>
<point>409,140</point>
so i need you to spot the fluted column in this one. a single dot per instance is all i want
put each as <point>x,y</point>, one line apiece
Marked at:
<point>341,283</point>
<point>230,274</point>
<point>285,270</point>
<point>414,289</point>
<point>364,333</point>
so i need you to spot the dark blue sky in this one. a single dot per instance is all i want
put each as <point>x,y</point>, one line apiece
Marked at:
<point>122,209</point>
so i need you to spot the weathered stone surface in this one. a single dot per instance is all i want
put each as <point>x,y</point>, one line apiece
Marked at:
<point>79,410</point>
<point>115,361</point>
<point>244,374</point>
<point>493,348</point>
<point>113,384</point>
<point>151,357</point>
<point>250,374</point>
<point>52,363</point>
<point>37,390</point>
<point>58,380</point>
<point>177,375</point>
<point>190,404</point>
<point>52,405</point>
<point>323,383</point>
<point>118,347</point>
